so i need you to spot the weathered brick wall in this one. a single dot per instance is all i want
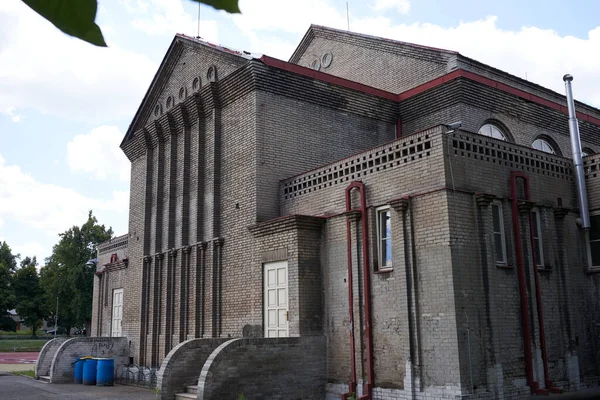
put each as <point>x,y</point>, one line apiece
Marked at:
<point>70,350</point>
<point>390,66</point>
<point>189,61</point>
<point>261,368</point>
<point>295,239</point>
<point>488,295</point>
<point>183,365</point>
<point>395,167</point>
<point>295,136</point>
<point>44,360</point>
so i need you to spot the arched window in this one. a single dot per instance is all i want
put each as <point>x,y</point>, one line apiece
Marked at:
<point>492,130</point>
<point>586,151</point>
<point>544,145</point>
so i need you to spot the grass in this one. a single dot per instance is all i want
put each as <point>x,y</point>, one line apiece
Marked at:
<point>30,373</point>
<point>22,345</point>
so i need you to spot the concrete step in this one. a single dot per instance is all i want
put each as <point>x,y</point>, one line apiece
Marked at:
<point>45,379</point>
<point>192,389</point>
<point>185,396</point>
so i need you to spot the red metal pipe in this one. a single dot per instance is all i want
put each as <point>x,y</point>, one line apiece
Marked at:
<point>522,282</point>
<point>538,293</point>
<point>352,384</point>
<point>368,387</point>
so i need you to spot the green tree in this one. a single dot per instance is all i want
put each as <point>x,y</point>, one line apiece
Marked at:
<point>29,297</point>
<point>8,264</point>
<point>67,276</point>
<point>77,17</point>
<point>7,257</point>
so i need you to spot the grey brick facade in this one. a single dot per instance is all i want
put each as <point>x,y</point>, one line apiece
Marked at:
<point>251,167</point>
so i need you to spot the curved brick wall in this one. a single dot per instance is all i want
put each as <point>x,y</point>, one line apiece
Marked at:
<point>183,365</point>
<point>264,368</point>
<point>61,370</point>
<point>44,361</point>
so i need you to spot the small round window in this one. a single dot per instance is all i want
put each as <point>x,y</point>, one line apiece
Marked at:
<point>543,145</point>
<point>316,65</point>
<point>587,151</point>
<point>196,83</point>
<point>492,131</point>
<point>169,102</point>
<point>211,74</point>
<point>326,59</point>
<point>181,93</point>
<point>156,110</point>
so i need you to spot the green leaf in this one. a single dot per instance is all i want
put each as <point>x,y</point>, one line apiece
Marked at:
<point>231,6</point>
<point>73,17</point>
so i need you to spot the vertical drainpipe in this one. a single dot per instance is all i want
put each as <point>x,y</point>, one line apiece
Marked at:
<point>577,159</point>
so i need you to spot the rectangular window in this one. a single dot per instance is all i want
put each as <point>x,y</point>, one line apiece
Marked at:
<point>384,238</point>
<point>537,237</point>
<point>595,240</point>
<point>498,228</point>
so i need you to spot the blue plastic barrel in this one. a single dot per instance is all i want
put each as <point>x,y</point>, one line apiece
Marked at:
<point>106,372</point>
<point>78,371</point>
<point>89,371</point>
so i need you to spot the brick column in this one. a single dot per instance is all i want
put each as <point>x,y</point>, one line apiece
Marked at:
<point>217,286</point>
<point>200,329</point>
<point>144,308</point>
<point>184,297</point>
<point>491,346</point>
<point>411,343</point>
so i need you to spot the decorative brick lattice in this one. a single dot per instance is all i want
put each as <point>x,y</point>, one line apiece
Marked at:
<point>392,155</point>
<point>482,148</point>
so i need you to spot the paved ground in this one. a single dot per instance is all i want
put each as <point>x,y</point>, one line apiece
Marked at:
<point>24,388</point>
<point>19,357</point>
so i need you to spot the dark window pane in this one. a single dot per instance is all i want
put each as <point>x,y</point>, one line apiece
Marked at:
<point>496,217</point>
<point>595,246</point>
<point>538,252</point>
<point>595,229</point>
<point>534,221</point>
<point>498,248</point>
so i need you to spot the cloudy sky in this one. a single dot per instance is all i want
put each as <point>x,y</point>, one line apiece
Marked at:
<point>65,105</point>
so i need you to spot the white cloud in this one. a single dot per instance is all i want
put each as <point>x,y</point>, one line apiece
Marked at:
<point>402,6</point>
<point>168,17</point>
<point>98,154</point>
<point>30,249</point>
<point>43,69</point>
<point>50,209</point>
<point>13,114</point>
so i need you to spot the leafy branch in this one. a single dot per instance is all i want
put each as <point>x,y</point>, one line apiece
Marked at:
<point>78,17</point>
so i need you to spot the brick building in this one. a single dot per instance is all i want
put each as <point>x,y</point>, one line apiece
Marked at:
<point>329,196</point>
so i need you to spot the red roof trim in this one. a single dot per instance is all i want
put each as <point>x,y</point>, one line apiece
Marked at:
<point>459,73</point>
<point>300,70</point>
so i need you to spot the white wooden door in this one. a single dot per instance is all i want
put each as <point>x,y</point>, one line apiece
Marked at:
<point>276,299</point>
<point>117,312</point>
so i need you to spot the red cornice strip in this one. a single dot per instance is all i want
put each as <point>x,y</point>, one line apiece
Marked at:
<point>300,70</point>
<point>459,73</point>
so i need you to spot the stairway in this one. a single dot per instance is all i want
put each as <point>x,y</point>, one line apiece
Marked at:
<point>45,379</point>
<point>191,392</point>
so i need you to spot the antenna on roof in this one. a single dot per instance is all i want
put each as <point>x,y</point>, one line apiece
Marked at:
<point>348,16</point>
<point>198,35</point>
